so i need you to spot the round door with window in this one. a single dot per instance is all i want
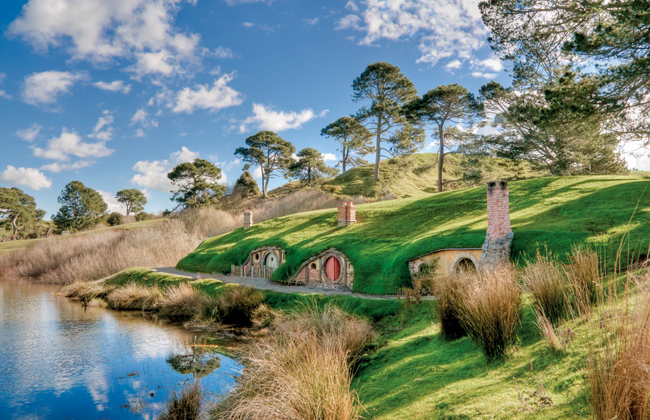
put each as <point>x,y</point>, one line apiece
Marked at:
<point>271,261</point>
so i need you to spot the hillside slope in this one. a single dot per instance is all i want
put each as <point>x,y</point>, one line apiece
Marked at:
<point>409,176</point>
<point>553,212</point>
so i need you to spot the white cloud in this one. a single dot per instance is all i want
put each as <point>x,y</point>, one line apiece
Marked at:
<point>113,205</point>
<point>311,22</point>
<point>257,173</point>
<point>114,86</point>
<point>100,30</point>
<point>219,96</point>
<point>481,75</point>
<point>57,167</point>
<point>153,175</point>
<point>103,129</point>
<point>43,88</point>
<point>247,24</point>
<point>493,63</point>
<point>157,63</point>
<point>30,133</point>
<point>238,2</point>
<point>70,143</point>
<point>454,65</point>
<point>446,28</point>
<point>25,177</point>
<point>4,94</point>
<point>352,6</point>
<point>265,118</point>
<point>139,132</point>
<point>329,156</point>
<point>219,52</point>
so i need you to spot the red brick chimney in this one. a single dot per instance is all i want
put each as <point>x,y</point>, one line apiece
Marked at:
<point>496,248</point>
<point>347,214</point>
<point>498,209</point>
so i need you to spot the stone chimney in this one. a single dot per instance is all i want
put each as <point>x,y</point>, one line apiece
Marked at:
<point>248,219</point>
<point>496,248</point>
<point>347,214</point>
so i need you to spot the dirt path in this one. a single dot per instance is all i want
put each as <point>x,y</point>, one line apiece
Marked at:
<point>264,284</point>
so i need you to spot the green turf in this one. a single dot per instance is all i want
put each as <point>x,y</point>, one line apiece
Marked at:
<point>410,176</point>
<point>553,212</point>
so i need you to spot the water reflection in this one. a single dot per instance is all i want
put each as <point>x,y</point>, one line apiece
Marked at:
<point>58,360</point>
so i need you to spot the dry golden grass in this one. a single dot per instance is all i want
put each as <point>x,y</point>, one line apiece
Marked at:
<point>238,305</point>
<point>184,405</point>
<point>184,301</point>
<point>489,310</point>
<point>87,291</point>
<point>448,291</point>
<point>302,371</point>
<point>134,296</point>
<point>545,280</point>
<point>548,333</point>
<point>585,280</point>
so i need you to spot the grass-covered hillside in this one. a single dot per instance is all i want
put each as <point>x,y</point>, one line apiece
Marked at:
<point>556,212</point>
<point>410,176</point>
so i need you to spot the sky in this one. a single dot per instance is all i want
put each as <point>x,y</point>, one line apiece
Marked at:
<point>114,93</point>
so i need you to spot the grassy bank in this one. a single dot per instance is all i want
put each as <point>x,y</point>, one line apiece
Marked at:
<point>555,212</point>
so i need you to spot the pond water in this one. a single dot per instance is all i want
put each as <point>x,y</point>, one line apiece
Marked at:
<point>61,361</point>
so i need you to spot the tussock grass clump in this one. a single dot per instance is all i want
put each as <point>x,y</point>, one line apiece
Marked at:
<point>489,310</point>
<point>87,291</point>
<point>183,302</point>
<point>448,291</point>
<point>584,279</point>
<point>302,371</point>
<point>618,370</point>
<point>184,405</point>
<point>548,333</point>
<point>237,306</point>
<point>545,280</point>
<point>135,296</point>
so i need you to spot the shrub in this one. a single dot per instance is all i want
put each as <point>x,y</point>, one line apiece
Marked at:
<point>545,281</point>
<point>184,405</point>
<point>183,301</point>
<point>237,305</point>
<point>143,216</point>
<point>135,296</point>
<point>302,371</point>
<point>114,219</point>
<point>489,311</point>
<point>448,291</point>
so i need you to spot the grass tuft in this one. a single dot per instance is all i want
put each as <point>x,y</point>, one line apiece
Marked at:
<point>184,405</point>
<point>238,305</point>
<point>448,291</point>
<point>545,280</point>
<point>135,297</point>
<point>183,302</point>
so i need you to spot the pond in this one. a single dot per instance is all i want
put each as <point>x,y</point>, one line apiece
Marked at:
<point>61,361</point>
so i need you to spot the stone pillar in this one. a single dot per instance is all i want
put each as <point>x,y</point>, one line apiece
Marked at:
<point>496,248</point>
<point>347,214</point>
<point>248,219</point>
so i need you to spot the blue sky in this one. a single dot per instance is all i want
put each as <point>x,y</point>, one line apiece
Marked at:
<point>114,93</point>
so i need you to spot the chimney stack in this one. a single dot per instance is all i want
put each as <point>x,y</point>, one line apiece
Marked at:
<point>347,214</point>
<point>248,219</point>
<point>496,248</point>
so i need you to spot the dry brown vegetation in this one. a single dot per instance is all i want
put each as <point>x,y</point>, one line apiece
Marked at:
<point>184,301</point>
<point>545,280</point>
<point>95,255</point>
<point>135,296</point>
<point>302,371</point>
<point>184,404</point>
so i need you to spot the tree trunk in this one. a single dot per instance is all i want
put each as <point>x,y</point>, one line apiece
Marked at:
<point>15,224</point>
<point>441,158</point>
<point>378,154</point>
<point>345,158</point>
<point>309,175</point>
<point>265,180</point>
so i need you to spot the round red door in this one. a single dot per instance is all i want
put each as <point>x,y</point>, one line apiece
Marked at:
<point>333,268</point>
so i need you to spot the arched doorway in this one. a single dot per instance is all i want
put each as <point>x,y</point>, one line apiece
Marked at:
<point>332,268</point>
<point>465,265</point>
<point>271,260</point>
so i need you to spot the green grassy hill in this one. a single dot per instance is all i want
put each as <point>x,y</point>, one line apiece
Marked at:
<point>409,176</point>
<point>553,212</point>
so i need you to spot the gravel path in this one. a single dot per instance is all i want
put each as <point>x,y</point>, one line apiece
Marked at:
<point>264,284</point>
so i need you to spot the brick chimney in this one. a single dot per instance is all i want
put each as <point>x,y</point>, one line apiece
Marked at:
<point>496,248</point>
<point>248,219</point>
<point>347,214</point>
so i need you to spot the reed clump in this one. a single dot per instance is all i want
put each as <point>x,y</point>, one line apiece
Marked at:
<point>184,404</point>
<point>585,279</point>
<point>134,296</point>
<point>489,310</point>
<point>302,371</point>
<point>184,302</point>
<point>545,280</point>
<point>238,305</point>
<point>448,292</point>
<point>87,291</point>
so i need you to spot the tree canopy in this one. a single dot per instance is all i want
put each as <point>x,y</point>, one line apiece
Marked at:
<point>18,210</point>
<point>133,199</point>
<point>442,107</point>
<point>268,150</point>
<point>246,186</point>
<point>387,90</point>
<point>81,207</point>
<point>354,139</point>
<point>196,183</point>
<point>309,166</point>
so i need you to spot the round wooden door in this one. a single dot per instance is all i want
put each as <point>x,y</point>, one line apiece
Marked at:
<point>271,261</point>
<point>333,268</point>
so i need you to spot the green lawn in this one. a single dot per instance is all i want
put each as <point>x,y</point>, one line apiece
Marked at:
<point>552,212</point>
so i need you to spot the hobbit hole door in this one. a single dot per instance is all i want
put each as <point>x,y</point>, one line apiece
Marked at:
<point>271,261</point>
<point>333,268</point>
